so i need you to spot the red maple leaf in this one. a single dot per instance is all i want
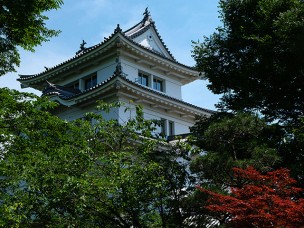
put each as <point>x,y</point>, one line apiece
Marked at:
<point>269,200</point>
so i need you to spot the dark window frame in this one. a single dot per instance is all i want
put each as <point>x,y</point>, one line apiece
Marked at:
<point>171,128</point>
<point>158,84</point>
<point>163,128</point>
<point>143,79</point>
<point>74,85</point>
<point>90,81</point>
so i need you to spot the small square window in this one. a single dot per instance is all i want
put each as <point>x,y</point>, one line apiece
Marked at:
<point>158,84</point>
<point>171,128</point>
<point>90,81</point>
<point>74,85</point>
<point>143,79</point>
<point>163,127</point>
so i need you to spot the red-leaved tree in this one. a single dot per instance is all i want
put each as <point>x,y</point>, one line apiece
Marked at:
<point>266,200</point>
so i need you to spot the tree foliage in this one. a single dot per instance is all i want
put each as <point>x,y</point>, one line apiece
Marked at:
<point>22,24</point>
<point>233,141</point>
<point>265,200</point>
<point>89,173</point>
<point>256,58</point>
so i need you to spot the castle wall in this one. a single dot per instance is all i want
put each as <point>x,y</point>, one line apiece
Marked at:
<point>171,87</point>
<point>181,124</point>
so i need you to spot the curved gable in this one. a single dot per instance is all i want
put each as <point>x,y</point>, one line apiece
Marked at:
<point>146,34</point>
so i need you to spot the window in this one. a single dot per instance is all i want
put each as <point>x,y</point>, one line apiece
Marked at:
<point>167,128</point>
<point>74,85</point>
<point>158,84</point>
<point>163,127</point>
<point>171,128</point>
<point>143,79</point>
<point>90,81</point>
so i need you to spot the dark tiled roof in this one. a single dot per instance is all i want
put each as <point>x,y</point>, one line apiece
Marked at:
<point>117,30</point>
<point>61,91</point>
<point>66,96</point>
<point>77,56</point>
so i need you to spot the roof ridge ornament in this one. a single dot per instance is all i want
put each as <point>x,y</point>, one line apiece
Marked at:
<point>49,84</point>
<point>118,29</point>
<point>147,16</point>
<point>82,47</point>
<point>146,13</point>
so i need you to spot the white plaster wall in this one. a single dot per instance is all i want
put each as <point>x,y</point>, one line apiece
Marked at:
<point>73,113</point>
<point>172,87</point>
<point>127,112</point>
<point>149,39</point>
<point>76,113</point>
<point>181,126</point>
<point>130,69</point>
<point>104,71</point>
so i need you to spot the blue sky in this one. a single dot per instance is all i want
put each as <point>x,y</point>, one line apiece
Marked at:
<point>178,22</point>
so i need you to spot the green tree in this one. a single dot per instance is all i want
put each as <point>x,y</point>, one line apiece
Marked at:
<point>234,141</point>
<point>292,152</point>
<point>256,58</point>
<point>22,24</point>
<point>88,173</point>
<point>41,162</point>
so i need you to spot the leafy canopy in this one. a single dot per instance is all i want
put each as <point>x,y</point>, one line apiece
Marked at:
<point>22,24</point>
<point>256,58</point>
<point>233,141</point>
<point>88,173</point>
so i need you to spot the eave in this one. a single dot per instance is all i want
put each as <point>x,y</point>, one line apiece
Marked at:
<point>94,55</point>
<point>91,56</point>
<point>120,86</point>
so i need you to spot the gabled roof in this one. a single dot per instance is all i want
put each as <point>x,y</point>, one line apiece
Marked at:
<point>131,35</point>
<point>144,25</point>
